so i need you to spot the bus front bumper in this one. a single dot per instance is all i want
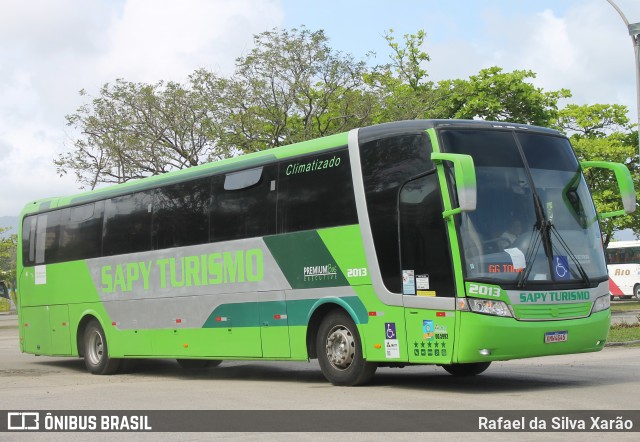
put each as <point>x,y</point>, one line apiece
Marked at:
<point>491,338</point>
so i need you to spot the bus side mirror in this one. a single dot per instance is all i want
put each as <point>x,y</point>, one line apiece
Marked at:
<point>625,185</point>
<point>465,175</point>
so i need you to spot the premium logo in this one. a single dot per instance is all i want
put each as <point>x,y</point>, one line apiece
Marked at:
<point>320,273</point>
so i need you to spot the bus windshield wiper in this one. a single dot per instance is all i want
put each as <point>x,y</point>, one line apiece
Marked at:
<point>542,227</point>
<point>532,251</point>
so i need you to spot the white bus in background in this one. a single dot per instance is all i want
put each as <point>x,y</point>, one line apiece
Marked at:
<point>623,262</point>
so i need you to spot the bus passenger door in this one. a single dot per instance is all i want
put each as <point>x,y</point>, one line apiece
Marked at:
<point>427,275</point>
<point>274,325</point>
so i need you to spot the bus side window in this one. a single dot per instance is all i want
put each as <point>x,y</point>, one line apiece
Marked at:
<point>243,204</point>
<point>81,232</point>
<point>316,192</point>
<point>181,214</point>
<point>46,242</point>
<point>127,224</point>
<point>29,241</point>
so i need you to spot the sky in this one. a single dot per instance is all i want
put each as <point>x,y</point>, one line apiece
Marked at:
<point>51,49</point>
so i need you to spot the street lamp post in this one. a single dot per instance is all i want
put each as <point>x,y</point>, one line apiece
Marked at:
<point>634,32</point>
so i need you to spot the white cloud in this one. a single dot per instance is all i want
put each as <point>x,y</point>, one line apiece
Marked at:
<point>154,40</point>
<point>51,50</point>
<point>585,49</point>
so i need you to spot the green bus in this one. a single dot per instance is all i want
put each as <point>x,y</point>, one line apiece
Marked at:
<point>455,243</point>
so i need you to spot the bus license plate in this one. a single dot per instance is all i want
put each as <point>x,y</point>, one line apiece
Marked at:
<point>556,336</point>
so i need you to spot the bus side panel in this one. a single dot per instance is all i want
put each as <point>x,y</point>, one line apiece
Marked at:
<point>623,278</point>
<point>46,330</point>
<point>60,331</point>
<point>430,335</point>
<point>34,324</point>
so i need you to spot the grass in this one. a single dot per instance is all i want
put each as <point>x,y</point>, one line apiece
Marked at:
<point>625,306</point>
<point>624,332</point>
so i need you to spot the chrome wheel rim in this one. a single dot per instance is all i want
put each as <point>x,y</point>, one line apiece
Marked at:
<point>340,347</point>
<point>95,348</point>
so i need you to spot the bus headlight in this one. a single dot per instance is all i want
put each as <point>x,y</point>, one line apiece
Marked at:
<point>602,303</point>
<point>490,307</point>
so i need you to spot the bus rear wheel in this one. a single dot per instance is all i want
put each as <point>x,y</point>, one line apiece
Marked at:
<point>467,369</point>
<point>636,291</point>
<point>196,364</point>
<point>340,351</point>
<point>96,350</point>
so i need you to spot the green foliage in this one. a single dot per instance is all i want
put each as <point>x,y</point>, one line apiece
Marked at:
<point>400,86</point>
<point>594,121</point>
<point>624,332</point>
<point>602,132</point>
<point>8,247</point>
<point>133,130</point>
<point>291,86</point>
<point>502,96</point>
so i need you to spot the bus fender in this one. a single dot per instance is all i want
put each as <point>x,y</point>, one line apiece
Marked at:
<point>86,316</point>
<point>333,302</point>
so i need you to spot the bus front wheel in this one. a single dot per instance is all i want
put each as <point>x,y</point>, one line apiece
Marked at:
<point>96,351</point>
<point>467,369</point>
<point>636,291</point>
<point>340,351</point>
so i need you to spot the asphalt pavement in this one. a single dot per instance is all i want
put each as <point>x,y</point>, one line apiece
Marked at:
<point>9,319</point>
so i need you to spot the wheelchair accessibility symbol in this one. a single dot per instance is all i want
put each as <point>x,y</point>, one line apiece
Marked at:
<point>390,330</point>
<point>561,267</point>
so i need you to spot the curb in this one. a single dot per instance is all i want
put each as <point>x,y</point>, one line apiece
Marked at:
<point>622,344</point>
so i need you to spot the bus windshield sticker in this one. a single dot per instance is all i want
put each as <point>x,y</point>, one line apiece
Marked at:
<point>517,258</point>
<point>561,267</point>
<point>422,286</point>
<point>408,282</point>
<point>422,282</point>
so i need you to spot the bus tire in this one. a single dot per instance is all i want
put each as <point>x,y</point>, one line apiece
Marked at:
<point>340,351</point>
<point>471,369</point>
<point>96,351</point>
<point>636,291</point>
<point>196,364</point>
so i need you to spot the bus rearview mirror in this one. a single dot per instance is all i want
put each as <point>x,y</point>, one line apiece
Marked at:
<point>625,185</point>
<point>465,176</point>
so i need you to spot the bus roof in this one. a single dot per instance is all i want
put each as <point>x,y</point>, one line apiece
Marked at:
<point>267,156</point>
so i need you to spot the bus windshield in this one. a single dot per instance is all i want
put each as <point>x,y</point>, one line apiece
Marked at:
<point>535,222</point>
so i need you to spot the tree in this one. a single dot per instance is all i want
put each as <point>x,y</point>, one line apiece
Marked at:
<point>593,121</point>
<point>502,96</point>
<point>291,87</point>
<point>401,86</point>
<point>133,130</point>
<point>8,248</point>
<point>603,132</point>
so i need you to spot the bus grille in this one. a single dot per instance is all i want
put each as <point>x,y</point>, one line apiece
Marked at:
<point>552,311</point>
